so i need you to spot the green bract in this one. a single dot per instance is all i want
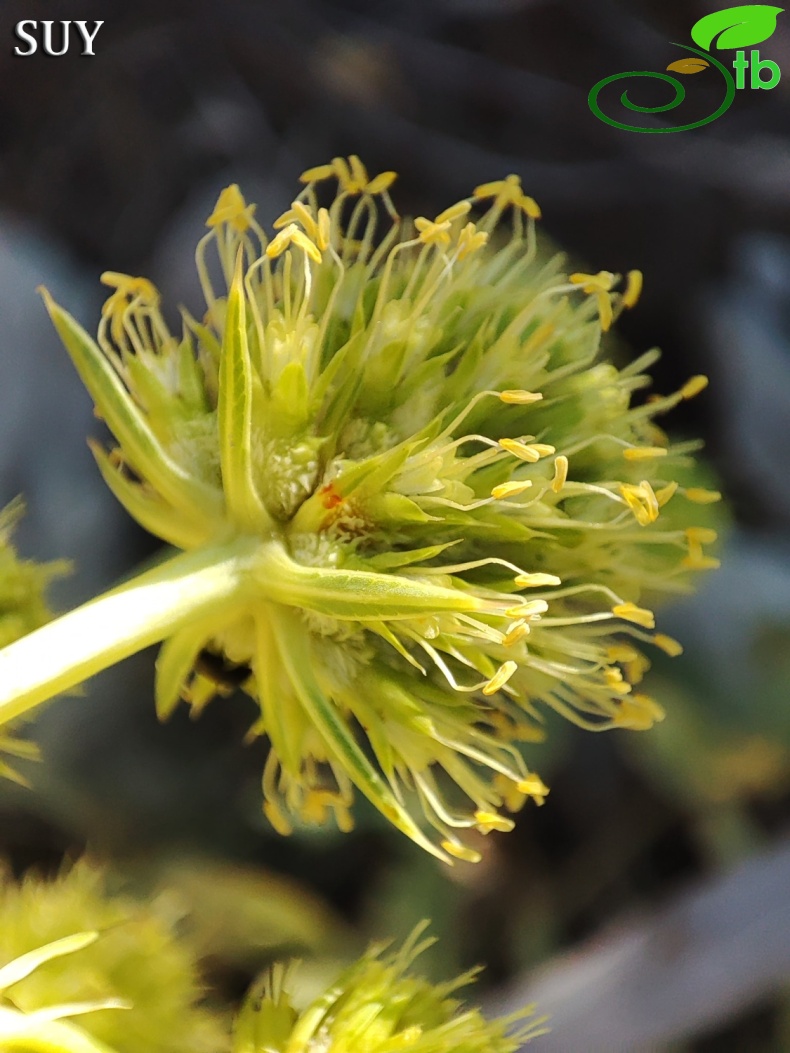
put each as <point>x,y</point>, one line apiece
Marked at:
<point>376,1006</point>
<point>416,506</point>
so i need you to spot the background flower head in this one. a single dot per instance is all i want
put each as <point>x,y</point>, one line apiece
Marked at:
<point>376,1006</point>
<point>135,980</point>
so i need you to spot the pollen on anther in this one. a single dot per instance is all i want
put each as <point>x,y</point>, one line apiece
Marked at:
<point>517,632</point>
<point>668,644</point>
<point>455,848</point>
<point>633,289</point>
<point>693,386</point>
<point>510,489</point>
<point>500,678</point>
<point>699,496</point>
<point>629,612</point>
<point>537,579</point>
<point>644,453</point>
<point>520,398</point>
<point>488,821</point>
<point>560,473</point>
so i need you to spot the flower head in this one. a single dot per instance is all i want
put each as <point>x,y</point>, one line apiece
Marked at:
<point>436,508</point>
<point>47,1028</point>
<point>69,949</point>
<point>376,1006</point>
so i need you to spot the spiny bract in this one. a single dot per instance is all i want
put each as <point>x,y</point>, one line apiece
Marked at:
<point>68,948</point>
<point>453,506</point>
<point>377,1006</point>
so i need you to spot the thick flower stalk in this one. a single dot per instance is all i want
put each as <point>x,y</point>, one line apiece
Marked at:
<point>416,508</point>
<point>376,1006</point>
<point>69,949</point>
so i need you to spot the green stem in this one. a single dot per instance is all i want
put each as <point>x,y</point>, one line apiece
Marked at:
<point>144,611</point>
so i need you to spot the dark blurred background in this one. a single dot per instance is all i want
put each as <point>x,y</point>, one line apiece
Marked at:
<point>647,905</point>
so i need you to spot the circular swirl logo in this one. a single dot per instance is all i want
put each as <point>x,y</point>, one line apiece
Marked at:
<point>734,27</point>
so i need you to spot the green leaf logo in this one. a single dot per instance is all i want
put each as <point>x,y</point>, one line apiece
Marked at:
<point>736,27</point>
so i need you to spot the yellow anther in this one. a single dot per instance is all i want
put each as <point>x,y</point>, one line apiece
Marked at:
<point>592,283</point>
<point>231,208</point>
<point>277,819</point>
<point>280,243</point>
<point>530,609</point>
<point>470,240</point>
<point>500,678</point>
<point>668,644</point>
<point>508,191</point>
<point>636,670</point>
<point>298,213</point>
<point>703,535</point>
<point>633,289</point>
<point>560,473</point>
<point>128,287</point>
<point>505,191</point>
<point>533,786</point>
<point>531,581</point>
<point>696,558</point>
<point>598,285</point>
<point>455,848</point>
<point>324,233</point>
<point>643,453</point>
<point>520,398</point>
<point>359,174</point>
<point>642,501</point>
<point>620,652</point>
<point>431,232</point>
<point>381,183</point>
<point>343,173</point>
<point>292,234</point>
<point>629,612</point>
<point>614,681</point>
<point>530,206</point>
<point>510,489</point>
<point>488,821</point>
<point>315,805</point>
<point>526,452</point>
<point>343,818</point>
<point>638,713</point>
<point>511,796</point>
<point>517,631</point>
<point>352,176</point>
<point>307,246</point>
<point>699,496</point>
<point>456,211</point>
<point>693,386</point>
<point>665,493</point>
<point>317,174</point>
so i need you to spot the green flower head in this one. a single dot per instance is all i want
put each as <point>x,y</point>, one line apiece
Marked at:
<point>376,1006</point>
<point>418,507</point>
<point>70,949</point>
